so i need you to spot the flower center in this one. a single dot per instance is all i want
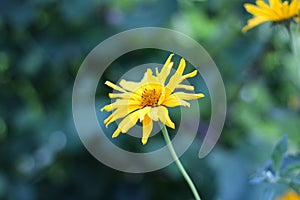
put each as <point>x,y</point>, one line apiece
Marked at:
<point>150,97</point>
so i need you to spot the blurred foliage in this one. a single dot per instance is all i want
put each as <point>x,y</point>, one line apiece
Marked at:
<point>283,168</point>
<point>42,45</point>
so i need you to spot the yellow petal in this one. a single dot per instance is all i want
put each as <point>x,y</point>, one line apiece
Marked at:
<point>120,113</point>
<point>161,113</point>
<point>115,87</point>
<point>165,71</point>
<point>187,96</point>
<point>120,103</point>
<point>144,112</point>
<point>173,101</point>
<point>186,87</point>
<point>162,76</point>
<point>164,117</point>
<point>293,8</point>
<point>285,10</point>
<point>149,78</point>
<point>254,22</point>
<point>116,133</point>
<point>153,114</point>
<point>176,78</point>
<point>189,75</point>
<point>127,95</point>
<point>266,7</point>
<point>129,121</point>
<point>129,85</point>
<point>147,128</point>
<point>276,5</point>
<point>256,11</point>
<point>262,4</point>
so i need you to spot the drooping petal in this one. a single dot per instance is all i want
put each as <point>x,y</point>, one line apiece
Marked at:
<point>119,113</point>
<point>153,114</point>
<point>147,128</point>
<point>164,117</point>
<point>128,122</point>
<point>143,112</point>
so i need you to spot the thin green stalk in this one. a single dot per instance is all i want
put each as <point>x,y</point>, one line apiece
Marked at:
<point>178,163</point>
<point>295,51</point>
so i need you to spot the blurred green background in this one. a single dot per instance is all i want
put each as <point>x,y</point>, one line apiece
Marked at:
<point>42,45</point>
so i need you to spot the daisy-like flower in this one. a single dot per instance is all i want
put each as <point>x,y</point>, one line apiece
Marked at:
<point>290,195</point>
<point>276,12</point>
<point>147,101</point>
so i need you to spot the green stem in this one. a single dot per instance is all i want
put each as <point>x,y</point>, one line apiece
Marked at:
<point>295,50</point>
<point>178,163</point>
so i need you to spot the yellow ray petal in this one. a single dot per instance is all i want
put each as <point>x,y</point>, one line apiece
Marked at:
<point>144,112</point>
<point>254,22</point>
<point>149,78</point>
<point>285,9</point>
<point>189,75</point>
<point>257,11</point>
<point>127,96</point>
<point>276,5</point>
<point>162,96</point>
<point>172,101</point>
<point>187,96</point>
<point>293,8</point>
<point>153,114</point>
<point>119,113</point>
<point>115,87</point>
<point>129,85</point>
<point>129,121</point>
<point>165,71</point>
<point>116,133</point>
<point>120,103</point>
<point>162,76</point>
<point>176,78</point>
<point>164,117</point>
<point>147,128</point>
<point>266,7</point>
<point>186,87</point>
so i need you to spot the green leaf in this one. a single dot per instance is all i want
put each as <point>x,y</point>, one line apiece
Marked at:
<point>290,164</point>
<point>278,153</point>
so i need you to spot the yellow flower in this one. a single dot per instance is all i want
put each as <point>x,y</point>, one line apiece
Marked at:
<point>147,100</point>
<point>290,195</point>
<point>277,11</point>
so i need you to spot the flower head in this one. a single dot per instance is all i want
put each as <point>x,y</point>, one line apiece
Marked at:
<point>147,100</point>
<point>290,195</point>
<point>276,12</point>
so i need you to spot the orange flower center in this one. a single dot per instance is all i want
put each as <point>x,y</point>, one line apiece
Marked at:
<point>150,97</point>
